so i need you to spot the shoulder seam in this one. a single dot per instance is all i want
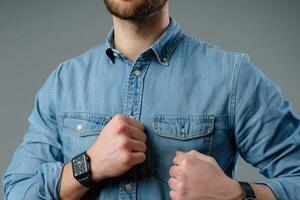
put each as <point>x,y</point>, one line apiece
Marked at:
<point>233,93</point>
<point>54,74</point>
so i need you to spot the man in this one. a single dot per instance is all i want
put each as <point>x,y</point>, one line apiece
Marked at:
<point>188,108</point>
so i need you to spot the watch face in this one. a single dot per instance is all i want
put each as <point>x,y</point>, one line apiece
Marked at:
<point>79,166</point>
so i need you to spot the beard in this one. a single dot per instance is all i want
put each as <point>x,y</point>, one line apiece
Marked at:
<point>134,9</point>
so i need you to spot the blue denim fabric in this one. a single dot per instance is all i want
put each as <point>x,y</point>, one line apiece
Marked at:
<point>188,93</point>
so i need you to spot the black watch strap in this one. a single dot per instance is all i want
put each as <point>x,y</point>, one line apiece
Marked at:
<point>86,181</point>
<point>249,193</point>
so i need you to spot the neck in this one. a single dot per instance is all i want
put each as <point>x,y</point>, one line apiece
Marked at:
<point>132,37</point>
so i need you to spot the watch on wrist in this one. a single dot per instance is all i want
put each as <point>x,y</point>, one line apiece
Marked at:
<point>82,170</point>
<point>249,193</point>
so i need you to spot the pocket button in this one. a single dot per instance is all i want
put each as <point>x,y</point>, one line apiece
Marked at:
<point>79,127</point>
<point>183,132</point>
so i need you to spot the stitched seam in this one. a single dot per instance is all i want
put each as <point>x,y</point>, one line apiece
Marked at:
<point>103,119</point>
<point>86,115</point>
<point>233,94</point>
<point>205,119</point>
<point>175,43</point>
<point>52,90</point>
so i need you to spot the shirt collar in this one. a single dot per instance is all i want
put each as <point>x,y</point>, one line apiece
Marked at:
<point>163,47</point>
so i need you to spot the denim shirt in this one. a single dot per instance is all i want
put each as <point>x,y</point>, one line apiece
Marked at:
<point>188,93</point>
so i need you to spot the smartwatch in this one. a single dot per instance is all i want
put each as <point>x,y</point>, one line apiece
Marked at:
<point>82,170</point>
<point>249,193</point>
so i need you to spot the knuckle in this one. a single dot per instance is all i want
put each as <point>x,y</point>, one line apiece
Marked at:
<point>127,159</point>
<point>188,161</point>
<point>194,151</point>
<point>118,117</point>
<point>121,127</point>
<point>211,159</point>
<point>124,143</point>
<point>184,161</point>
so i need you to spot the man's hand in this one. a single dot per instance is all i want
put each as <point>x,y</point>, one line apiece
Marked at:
<point>120,146</point>
<point>195,176</point>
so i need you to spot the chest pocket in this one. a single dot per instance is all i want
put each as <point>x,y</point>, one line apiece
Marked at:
<point>79,130</point>
<point>178,132</point>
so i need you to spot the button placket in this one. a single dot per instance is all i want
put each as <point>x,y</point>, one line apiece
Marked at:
<point>128,184</point>
<point>137,72</point>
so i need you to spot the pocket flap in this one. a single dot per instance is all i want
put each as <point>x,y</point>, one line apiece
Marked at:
<point>183,127</point>
<point>83,124</point>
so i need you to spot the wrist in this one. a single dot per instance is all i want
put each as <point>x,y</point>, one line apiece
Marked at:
<point>237,192</point>
<point>96,174</point>
<point>90,154</point>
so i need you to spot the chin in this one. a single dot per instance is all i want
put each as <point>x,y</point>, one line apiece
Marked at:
<point>124,7</point>
<point>134,9</point>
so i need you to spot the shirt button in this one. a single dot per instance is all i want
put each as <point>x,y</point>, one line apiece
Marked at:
<point>128,186</point>
<point>137,72</point>
<point>79,127</point>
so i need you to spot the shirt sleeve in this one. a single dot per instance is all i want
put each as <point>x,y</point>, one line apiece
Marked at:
<point>267,132</point>
<point>36,166</point>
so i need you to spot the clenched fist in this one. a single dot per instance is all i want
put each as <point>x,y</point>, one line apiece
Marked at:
<point>120,146</point>
<point>195,176</point>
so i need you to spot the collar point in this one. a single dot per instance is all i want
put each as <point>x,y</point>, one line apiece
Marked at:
<point>164,60</point>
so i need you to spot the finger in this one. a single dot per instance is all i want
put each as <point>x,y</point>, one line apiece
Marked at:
<point>135,123</point>
<point>173,171</point>
<point>179,152</point>
<point>137,134</point>
<point>138,158</point>
<point>177,160</point>
<point>196,153</point>
<point>137,146</point>
<point>202,156</point>
<point>173,183</point>
<point>172,194</point>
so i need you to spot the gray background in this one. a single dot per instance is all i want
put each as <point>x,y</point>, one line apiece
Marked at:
<point>36,35</point>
